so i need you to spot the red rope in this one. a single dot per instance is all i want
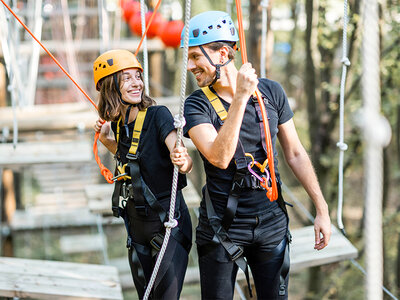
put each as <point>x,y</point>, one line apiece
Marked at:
<point>104,171</point>
<point>272,192</point>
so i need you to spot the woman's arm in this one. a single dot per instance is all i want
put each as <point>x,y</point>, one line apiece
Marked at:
<point>106,136</point>
<point>179,155</point>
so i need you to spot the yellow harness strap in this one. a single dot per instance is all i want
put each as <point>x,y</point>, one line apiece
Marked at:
<point>136,131</point>
<point>215,102</point>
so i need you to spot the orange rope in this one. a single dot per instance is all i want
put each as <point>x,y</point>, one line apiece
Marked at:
<point>104,171</point>
<point>272,192</point>
<point>147,27</point>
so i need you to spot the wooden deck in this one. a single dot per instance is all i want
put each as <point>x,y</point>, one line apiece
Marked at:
<point>45,152</point>
<point>40,279</point>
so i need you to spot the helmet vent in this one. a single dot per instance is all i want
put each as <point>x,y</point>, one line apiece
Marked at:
<point>218,26</point>
<point>204,32</point>
<point>196,32</point>
<point>210,27</point>
<point>110,62</point>
<point>232,31</point>
<point>224,21</point>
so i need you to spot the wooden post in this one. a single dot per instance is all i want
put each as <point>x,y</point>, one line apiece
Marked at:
<point>8,208</point>
<point>3,86</point>
<point>155,74</point>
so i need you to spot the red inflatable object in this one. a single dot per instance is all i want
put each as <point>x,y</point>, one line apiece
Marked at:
<point>129,8</point>
<point>135,24</point>
<point>171,33</point>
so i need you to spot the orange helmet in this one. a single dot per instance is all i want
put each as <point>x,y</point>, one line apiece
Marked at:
<point>113,61</point>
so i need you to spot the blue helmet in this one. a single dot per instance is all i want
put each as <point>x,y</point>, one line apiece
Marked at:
<point>210,26</point>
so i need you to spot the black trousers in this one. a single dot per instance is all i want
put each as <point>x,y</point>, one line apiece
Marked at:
<point>144,224</point>
<point>258,236</point>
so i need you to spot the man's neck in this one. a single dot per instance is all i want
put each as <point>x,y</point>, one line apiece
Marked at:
<point>226,85</point>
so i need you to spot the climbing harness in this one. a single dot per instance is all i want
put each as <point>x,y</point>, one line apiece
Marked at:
<point>222,114</point>
<point>220,227</point>
<point>270,155</point>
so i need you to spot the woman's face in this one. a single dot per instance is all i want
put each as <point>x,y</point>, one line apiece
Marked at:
<point>131,86</point>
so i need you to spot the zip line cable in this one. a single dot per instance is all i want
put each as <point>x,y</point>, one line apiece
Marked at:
<point>272,193</point>
<point>179,122</point>
<point>108,175</point>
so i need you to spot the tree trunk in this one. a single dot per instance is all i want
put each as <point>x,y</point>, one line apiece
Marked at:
<point>254,35</point>
<point>8,208</point>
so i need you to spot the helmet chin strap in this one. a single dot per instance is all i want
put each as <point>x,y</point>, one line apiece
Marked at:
<point>128,111</point>
<point>217,66</point>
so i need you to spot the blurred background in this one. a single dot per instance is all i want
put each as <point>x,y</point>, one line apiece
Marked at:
<point>55,205</point>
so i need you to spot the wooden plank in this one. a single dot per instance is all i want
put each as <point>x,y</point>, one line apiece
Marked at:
<point>82,243</point>
<point>49,117</point>
<point>41,279</point>
<point>89,45</point>
<point>48,152</point>
<point>35,218</point>
<point>303,254</point>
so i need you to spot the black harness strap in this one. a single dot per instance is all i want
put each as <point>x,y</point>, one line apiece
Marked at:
<point>235,252</point>
<point>238,183</point>
<point>115,199</point>
<point>260,122</point>
<point>142,193</point>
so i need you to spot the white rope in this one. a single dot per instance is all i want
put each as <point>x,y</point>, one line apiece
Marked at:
<point>229,6</point>
<point>264,5</point>
<point>376,135</point>
<point>341,145</point>
<point>171,221</point>
<point>145,53</point>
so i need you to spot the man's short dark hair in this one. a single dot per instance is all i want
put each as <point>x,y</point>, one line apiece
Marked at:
<point>218,45</point>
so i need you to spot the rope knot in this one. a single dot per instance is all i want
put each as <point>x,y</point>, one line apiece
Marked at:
<point>342,146</point>
<point>179,121</point>
<point>171,224</point>
<point>346,61</point>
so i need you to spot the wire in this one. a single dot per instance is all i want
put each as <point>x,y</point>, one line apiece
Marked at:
<point>49,53</point>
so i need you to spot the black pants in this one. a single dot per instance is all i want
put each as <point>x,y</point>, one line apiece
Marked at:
<point>258,236</point>
<point>144,225</point>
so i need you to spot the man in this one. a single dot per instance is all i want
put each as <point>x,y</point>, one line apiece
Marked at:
<point>238,225</point>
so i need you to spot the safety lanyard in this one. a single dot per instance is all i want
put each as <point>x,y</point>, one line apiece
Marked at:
<point>137,130</point>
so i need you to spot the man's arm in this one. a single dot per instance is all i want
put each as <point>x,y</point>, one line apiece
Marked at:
<point>298,160</point>
<point>219,147</point>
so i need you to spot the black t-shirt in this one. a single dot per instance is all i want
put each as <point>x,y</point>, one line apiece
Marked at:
<point>155,164</point>
<point>198,110</point>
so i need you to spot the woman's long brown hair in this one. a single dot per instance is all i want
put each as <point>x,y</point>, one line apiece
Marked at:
<point>110,106</point>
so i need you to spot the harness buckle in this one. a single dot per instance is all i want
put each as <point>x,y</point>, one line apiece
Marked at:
<point>127,191</point>
<point>157,241</point>
<point>129,242</point>
<point>238,253</point>
<point>282,290</point>
<point>131,156</point>
<point>142,209</point>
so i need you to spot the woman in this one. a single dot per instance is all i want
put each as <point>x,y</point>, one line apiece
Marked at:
<point>142,137</point>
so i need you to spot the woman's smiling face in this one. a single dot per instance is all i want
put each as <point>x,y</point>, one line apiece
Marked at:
<point>131,86</point>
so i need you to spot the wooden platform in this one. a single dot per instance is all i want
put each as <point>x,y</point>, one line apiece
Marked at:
<point>34,219</point>
<point>45,152</point>
<point>303,255</point>
<point>40,279</point>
